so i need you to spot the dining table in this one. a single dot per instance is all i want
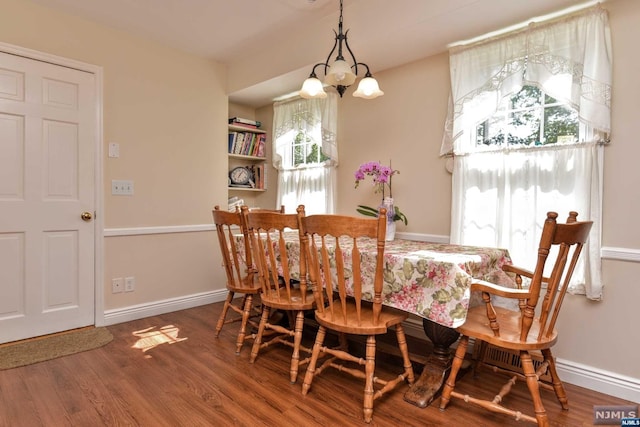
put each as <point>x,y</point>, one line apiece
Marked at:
<point>429,280</point>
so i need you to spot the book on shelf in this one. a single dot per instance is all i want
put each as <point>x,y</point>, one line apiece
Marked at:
<point>249,147</point>
<point>256,175</point>
<point>246,126</point>
<point>263,176</point>
<point>246,141</point>
<point>241,121</point>
<point>259,176</point>
<point>235,140</point>
<point>232,141</point>
<point>237,148</point>
<point>243,139</point>
<point>259,149</point>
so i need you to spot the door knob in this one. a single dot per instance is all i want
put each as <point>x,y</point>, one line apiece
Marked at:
<point>86,216</point>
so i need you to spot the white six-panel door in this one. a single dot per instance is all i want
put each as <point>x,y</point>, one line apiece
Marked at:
<point>47,181</point>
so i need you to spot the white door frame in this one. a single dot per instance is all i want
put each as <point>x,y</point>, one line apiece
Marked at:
<point>98,222</point>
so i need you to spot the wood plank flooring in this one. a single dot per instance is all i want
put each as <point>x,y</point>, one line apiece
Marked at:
<point>195,379</point>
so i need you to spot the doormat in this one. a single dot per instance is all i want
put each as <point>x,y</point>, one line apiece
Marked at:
<point>27,352</point>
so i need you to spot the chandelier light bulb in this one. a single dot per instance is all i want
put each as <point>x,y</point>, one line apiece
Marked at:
<point>312,88</point>
<point>340,74</point>
<point>368,89</point>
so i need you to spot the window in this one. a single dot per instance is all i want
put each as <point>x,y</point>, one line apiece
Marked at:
<point>528,113</point>
<point>305,153</point>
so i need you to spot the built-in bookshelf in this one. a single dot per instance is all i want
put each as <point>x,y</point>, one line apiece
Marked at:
<point>246,157</point>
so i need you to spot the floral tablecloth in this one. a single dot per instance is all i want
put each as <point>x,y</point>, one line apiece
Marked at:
<point>431,280</point>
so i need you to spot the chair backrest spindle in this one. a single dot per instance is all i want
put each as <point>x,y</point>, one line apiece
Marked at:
<point>343,235</point>
<point>266,231</point>
<point>228,224</point>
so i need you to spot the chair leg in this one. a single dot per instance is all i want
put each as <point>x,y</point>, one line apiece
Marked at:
<point>311,369</point>
<point>223,315</point>
<point>257,341</point>
<point>404,350</point>
<point>246,312</point>
<point>458,358</point>
<point>532,384</point>
<point>369,369</point>
<point>481,355</point>
<point>297,340</point>
<point>558,387</point>
<point>343,342</point>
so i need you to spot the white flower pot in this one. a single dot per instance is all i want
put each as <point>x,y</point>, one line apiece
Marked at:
<point>387,203</point>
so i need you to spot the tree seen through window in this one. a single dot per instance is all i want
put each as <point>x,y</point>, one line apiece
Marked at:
<point>305,151</point>
<point>529,117</point>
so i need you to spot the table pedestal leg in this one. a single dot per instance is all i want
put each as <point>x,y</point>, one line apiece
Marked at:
<point>425,389</point>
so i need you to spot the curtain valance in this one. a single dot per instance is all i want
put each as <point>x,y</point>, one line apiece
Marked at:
<point>569,59</point>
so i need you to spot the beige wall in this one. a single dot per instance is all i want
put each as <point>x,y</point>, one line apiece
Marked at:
<point>403,127</point>
<point>168,111</point>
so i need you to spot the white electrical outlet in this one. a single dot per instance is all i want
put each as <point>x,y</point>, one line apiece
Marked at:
<point>117,285</point>
<point>129,284</point>
<point>121,187</point>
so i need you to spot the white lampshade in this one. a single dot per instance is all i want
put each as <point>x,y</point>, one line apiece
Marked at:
<point>312,88</point>
<point>368,89</point>
<point>340,74</point>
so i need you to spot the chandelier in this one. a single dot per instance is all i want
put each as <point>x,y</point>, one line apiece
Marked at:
<point>340,74</point>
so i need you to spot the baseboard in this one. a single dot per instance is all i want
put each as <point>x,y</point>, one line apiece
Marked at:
<point>611,383</point>
<point>154,308</point>
<point>599,380</point>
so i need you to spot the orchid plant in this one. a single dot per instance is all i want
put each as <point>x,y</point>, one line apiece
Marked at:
<point>382,176</point>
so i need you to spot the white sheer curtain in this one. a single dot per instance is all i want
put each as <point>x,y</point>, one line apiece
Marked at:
<point>500,197</point>
<point>314,186</point>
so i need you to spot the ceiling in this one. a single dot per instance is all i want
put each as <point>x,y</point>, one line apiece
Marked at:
<point>270,46</point>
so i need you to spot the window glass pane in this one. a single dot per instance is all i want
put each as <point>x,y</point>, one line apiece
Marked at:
<point>491,132</point>
<point>304,151</point>
<point>316,155</point>
<point>528,97</point>
<point>523,119</point>
<point>524,127</point>
<point>298,148</point>
<point>560,125</point>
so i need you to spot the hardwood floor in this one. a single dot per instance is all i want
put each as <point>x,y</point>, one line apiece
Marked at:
<point>195,379</point>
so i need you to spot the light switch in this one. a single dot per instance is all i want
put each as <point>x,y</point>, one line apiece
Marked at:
<point>114,150</point>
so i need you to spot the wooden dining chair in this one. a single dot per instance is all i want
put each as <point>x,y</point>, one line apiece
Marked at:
<point>337,273</point>
<point>283,282</point>
<point>529,330</point>
<point>240,272</point>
